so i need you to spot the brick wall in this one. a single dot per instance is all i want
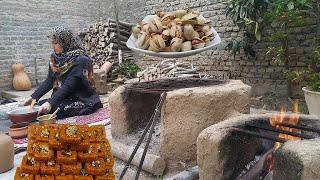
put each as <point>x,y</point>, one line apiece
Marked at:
<point>262,73</point>
<point>23,29</point>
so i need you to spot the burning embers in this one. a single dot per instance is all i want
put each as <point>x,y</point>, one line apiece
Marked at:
<point>284,124</point>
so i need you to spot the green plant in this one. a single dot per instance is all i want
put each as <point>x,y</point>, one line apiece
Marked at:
<point>129,69</point>
<point>235,47</point>
<point>283,17</point>
<point>310,76</point>
<point>279,17</point>
<point>247,15</point>
<point>160,177</point>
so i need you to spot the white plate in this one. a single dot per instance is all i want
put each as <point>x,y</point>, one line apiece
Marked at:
<point>131,44</point>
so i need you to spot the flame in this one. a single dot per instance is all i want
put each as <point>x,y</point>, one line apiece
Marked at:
<point>293,119</point>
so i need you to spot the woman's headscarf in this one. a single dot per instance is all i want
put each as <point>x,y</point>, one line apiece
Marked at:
<point>61,63</point>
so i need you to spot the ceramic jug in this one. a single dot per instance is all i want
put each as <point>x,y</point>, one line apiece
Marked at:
<point>6,153</point>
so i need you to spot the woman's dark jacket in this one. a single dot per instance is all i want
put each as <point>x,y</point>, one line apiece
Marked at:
<point>75,86</point>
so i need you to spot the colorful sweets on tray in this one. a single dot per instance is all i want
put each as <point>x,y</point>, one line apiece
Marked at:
<point>66,152</point>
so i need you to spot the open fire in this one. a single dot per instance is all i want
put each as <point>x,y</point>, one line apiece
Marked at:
<point>245,147</point>
<point>286,125</point>
<point>278,120</point>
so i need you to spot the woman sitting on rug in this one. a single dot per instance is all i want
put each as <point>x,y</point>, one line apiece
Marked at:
<point>70,76</point>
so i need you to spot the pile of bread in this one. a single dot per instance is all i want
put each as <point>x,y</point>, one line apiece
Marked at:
<point>66,152</point>
<point>181,30</point>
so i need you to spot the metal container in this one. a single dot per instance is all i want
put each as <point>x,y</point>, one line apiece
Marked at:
<point>23,114</point>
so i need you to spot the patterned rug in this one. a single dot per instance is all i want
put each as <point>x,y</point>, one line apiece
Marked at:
<point>102,117</point>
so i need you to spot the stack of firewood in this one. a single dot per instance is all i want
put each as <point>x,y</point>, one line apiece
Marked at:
<point>101,41</point>
<point>168,69</point>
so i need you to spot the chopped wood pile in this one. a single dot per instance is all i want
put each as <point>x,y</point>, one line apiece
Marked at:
<point>101,41</point>
<point>168,69</point>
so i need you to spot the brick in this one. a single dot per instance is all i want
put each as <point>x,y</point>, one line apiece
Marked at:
<point>23,37</point>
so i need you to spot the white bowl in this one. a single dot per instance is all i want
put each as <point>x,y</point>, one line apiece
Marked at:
<point>132,45</point>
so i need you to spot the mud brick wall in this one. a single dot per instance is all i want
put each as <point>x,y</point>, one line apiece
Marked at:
<point>262,73</point>
<point>24,26</point>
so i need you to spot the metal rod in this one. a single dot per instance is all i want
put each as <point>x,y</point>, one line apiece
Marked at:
<point>305,128</point>
<point>136,148</point>
<point>157,112</point>
<point>304,136</point>
<point>152,119</point>
<point>276,139</point>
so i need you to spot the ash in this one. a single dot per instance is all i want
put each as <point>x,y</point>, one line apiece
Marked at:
<point>133,138</point>
<point>249,166</point>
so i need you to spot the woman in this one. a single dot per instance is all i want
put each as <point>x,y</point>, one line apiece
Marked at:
<point>70,76</point>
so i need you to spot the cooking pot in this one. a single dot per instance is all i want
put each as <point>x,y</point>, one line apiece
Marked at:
<point>23,114</point>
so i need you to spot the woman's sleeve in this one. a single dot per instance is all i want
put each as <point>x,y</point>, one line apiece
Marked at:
<point>45,86</point>
<point>74,78</point>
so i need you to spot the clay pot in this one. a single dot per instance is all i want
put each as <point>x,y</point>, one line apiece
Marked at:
<point>6,153</point>
<point>21,81</point>
<point>18,130</point>
<point>23,114</point>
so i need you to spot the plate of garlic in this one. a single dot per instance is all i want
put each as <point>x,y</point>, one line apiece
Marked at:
<point>174,34</point>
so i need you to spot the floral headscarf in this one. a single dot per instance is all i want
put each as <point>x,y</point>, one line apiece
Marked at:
<point>61,63</point>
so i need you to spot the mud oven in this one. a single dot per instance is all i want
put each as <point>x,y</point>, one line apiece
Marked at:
<point>224,149</point>
<point>204,123</point>
<point>191,105</point>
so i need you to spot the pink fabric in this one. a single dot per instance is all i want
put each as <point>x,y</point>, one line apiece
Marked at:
<point>99,115</point>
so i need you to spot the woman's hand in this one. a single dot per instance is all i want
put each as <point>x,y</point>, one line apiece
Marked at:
<point>45,108</point>
<point>27,102</point>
